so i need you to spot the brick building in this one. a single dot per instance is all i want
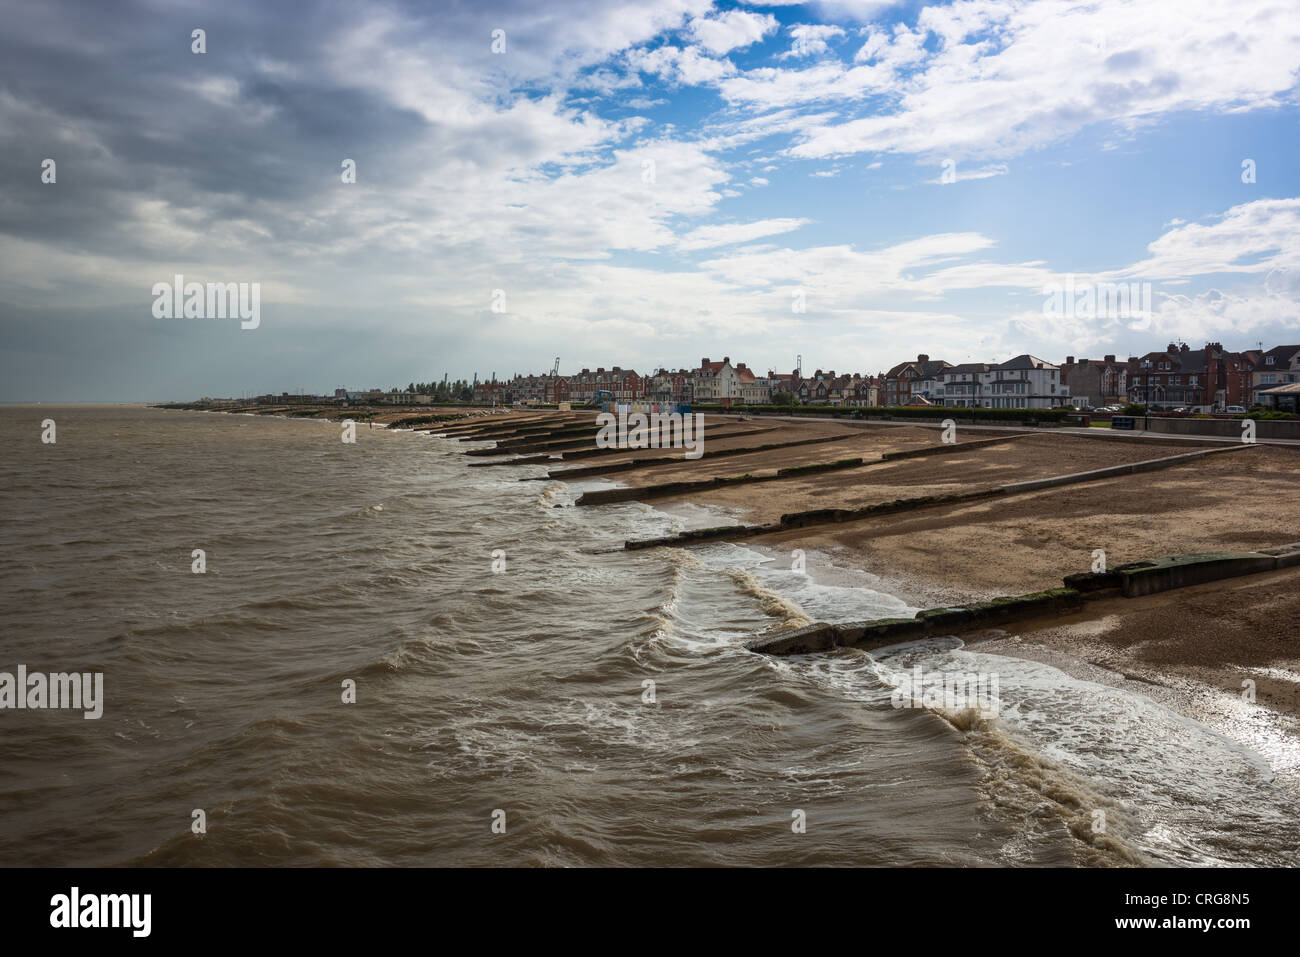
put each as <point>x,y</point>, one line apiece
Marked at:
<point>911,378</point>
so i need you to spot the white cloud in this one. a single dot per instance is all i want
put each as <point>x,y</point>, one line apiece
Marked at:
<point>706,237</point>
<point>677,65</point>
<point>1009,77</point>
<point>771,88</point>
<point>809,39</point>
<point>731,30</point>
<point>901,48</point>
<point>1253,238</point>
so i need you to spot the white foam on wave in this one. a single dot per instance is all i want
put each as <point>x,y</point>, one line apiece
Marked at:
<point>636,520</point>
<point>729,593</point>
<point>1174,779</point>
<point>821,592</point>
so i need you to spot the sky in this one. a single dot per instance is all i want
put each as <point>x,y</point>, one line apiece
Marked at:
<point>637,183</point>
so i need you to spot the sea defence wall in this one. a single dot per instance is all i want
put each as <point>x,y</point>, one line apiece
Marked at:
<point>1178,571</point>
<point>1227,428</point>
<point>1131,581</point>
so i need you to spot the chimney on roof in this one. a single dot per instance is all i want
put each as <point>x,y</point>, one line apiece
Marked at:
<point>704,361</point>
<point>1109,358</point>
<point>1185,348</point>
<point>1069,360</point>
<point>1132,358</point>
<point>1172,348</point>
<point>726,358</point>
<point>740,365</point>
<point>616,369</point>
<point>923,358</point>
<point>585,371</point>
<point>599,369</point>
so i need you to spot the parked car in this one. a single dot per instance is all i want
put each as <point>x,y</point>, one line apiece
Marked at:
<point>1235,410</point>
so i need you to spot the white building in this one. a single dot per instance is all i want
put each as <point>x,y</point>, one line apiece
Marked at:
<point>1025,382</point>
<point>716,382</point>
<point>1278,366</point>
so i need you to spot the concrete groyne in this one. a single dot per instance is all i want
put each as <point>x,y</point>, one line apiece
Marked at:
<point>1131,580</point>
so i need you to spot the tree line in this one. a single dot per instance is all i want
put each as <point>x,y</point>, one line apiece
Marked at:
<point>460,390</point>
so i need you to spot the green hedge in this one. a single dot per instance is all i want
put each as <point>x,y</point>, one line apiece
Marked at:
<point>1269,415</point>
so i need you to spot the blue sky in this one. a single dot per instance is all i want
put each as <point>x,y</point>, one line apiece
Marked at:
<point>645,184</point>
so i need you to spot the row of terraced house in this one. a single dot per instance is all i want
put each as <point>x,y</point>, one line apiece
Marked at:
<point>1208,379</point>
<point>1201,380</point>
<point>711,382</point>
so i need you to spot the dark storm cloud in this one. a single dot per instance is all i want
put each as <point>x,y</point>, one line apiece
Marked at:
<point>115,95</point>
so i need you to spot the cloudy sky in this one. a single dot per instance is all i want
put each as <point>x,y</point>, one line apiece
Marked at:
<point>636,183</point>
